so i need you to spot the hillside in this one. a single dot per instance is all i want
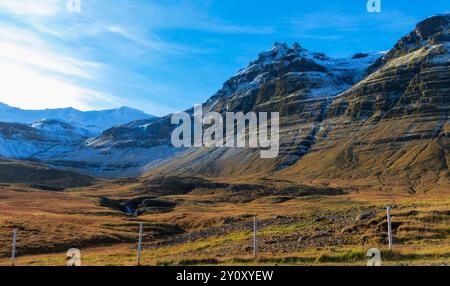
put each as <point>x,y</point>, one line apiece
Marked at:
<point>292,80</point>
<point>40,176</point>
<point>392,127</point>
<point>388,131</point>
<point>193,221</point>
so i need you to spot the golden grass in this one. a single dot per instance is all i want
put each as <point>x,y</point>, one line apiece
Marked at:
<point>125,255</point>
<point>309,230</point>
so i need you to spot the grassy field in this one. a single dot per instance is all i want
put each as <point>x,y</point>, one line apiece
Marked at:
<point>125,255</point>
<point>191,221</point>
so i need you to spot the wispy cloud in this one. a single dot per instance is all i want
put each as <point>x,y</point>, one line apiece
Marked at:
<point>36,90</point>
<point>48,61</point>
<point>151,41</point>
<point>31,7</point>
<point>78,59</point>
<point>38,74</point>
<point>157,55</point>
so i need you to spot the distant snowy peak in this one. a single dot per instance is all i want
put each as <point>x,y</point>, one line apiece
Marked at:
<point>20,141</point>
<point>53,124</point>
<point>91,121</point>
<point>61,128</point>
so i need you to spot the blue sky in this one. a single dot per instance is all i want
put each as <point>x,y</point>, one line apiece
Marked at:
<point>164,56</point>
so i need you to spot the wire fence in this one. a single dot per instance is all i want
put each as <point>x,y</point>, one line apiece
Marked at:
<point>262,235</point>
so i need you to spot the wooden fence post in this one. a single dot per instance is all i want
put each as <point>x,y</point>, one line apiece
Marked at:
<point>255,244</point>
<point>141,231</point>
<point>13,252</point>
<point>389,226</point>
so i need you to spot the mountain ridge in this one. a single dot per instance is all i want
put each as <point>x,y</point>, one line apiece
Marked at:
<point>389,130</point>
<point>95,121</point>
<point>152,136</point>
<point>375,117</point>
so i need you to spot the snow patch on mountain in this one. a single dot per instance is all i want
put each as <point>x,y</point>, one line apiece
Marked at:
<point>60,128</point>
<point>328,77</point>
<point>20,141</point>
<point>92,121</point>
<point>110,162</point>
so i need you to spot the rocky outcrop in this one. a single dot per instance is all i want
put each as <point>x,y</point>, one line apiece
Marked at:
<point>414,77</point>
<point>388,131</point>
<point>392,127</point>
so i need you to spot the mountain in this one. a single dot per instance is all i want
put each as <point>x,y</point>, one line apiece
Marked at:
<point>61,129</point>
<point>22,141</point>
<point>374,120</point>
<point>294,72</point>
<point>64,146</point>
<point>388,131</point>
<point>291,79</point>
<point>391,129</point>
<point>93,121</point>
<point>49,137</point>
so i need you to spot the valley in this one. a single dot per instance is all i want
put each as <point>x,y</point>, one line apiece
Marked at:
<point>194,221</point>
<point>357,134</point>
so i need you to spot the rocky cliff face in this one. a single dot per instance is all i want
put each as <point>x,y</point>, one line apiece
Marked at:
<point>389,130</point>
<point>392,127</point>
<point>293,81</point>
<point>288,74</point>
<point>299,85</point>
<point>412,77</point>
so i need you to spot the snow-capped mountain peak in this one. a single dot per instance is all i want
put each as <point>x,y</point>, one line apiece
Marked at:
<point>308,74</point>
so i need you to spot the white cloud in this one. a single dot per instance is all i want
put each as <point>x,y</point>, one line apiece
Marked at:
<point>35,74</point>
<point>146,42</point>
<point>31,7</point>
<point>47,61</point>
<point>49,56</point>
<point>21,46</point>
<point>29,89</point>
